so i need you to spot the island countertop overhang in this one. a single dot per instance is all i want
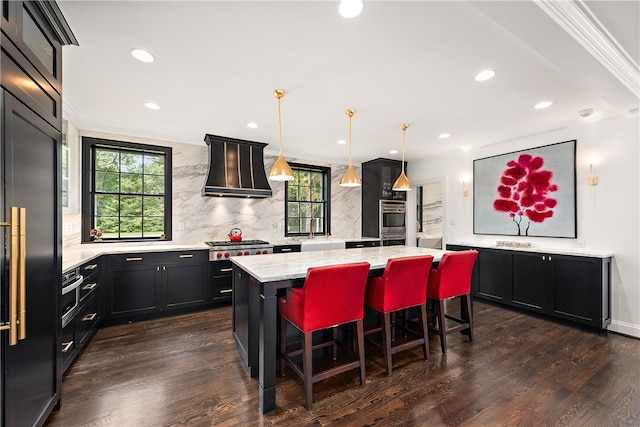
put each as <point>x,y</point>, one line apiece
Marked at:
<point>290,266</point>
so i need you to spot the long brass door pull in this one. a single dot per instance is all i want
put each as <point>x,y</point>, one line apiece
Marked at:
<point>17,325</point>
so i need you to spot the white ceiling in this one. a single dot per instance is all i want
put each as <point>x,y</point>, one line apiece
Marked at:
<point>217,64</point>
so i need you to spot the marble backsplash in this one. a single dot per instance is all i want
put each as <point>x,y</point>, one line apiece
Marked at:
<point>197,218</point>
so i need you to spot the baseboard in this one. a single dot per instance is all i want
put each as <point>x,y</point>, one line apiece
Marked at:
<point>625,328</point>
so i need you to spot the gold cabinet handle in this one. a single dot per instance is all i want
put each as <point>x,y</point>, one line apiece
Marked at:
<point>359,246</point>
<point>286,249</point>
<point>226,269</point>
<point>89,287</point>
<point>22,268</point>
<point>89,317</point>
<point>67,346</point>
<point>134,259</point>
<point>186,256</point>
<point>226,291</point>
<point>17,325</point>
<point>91,267</point>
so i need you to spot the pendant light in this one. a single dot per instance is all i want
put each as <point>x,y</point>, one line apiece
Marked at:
<point>402,183</point>
<point>280,171</point>
<point>350,177</point>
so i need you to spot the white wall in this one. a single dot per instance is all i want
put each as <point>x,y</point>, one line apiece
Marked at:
<point>608,215</point>
<point>197,219</point>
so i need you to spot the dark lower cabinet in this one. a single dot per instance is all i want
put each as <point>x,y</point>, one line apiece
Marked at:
<point>221,280</point>
<point>570,287</point>
<point>153,282</point>
<point>185,279</point>
<point>77,333</point>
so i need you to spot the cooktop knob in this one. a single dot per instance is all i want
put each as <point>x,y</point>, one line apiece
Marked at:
<point>246,252</point>
<point>219,255</point>
<point>239,253</point>
<point>226,254</point>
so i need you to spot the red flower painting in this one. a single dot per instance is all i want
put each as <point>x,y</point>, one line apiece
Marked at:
<point>524,192</point>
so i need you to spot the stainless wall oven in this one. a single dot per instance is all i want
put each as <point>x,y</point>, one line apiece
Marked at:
<point>393,218</point>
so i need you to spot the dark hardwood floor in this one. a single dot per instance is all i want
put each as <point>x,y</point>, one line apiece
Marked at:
<point>519,371</point>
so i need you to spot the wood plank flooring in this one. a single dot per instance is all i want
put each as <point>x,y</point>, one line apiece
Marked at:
<point>520,371</point>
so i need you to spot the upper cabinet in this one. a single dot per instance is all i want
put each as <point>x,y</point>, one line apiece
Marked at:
<point>378,177</point>
<point>32,55</point>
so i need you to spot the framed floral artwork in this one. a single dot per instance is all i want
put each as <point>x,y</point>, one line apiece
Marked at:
<point>527,193</point>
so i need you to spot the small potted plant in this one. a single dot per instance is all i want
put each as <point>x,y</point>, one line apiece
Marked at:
<point>95,235</point>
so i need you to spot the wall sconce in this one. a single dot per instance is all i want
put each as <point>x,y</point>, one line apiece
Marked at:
<point>593,179</point>
<point>465,178</point>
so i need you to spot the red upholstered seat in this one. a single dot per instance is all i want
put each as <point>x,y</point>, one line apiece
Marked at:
<point>331,296</point>
<point>403,285</point>
<point>452,279</point>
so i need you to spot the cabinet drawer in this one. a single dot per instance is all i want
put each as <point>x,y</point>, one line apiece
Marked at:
<point>221,268</point>
<point>364,244</point>
<point>89,287</point>
<point>142,258</point>
<point>278,249</point>
<point>88,318</point>
<point>222,288</point>
<point>68,345</point>
<point>180,256</point>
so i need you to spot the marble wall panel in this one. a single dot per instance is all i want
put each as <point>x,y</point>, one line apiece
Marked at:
<point>197,218</point>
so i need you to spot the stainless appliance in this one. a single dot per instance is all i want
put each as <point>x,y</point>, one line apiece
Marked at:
<point>70,300</point>
<point>221,250</point>
<point>393,218</point>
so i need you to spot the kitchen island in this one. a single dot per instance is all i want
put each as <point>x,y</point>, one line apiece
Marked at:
<point>256,282</point>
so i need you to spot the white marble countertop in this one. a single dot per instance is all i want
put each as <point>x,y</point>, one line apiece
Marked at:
<point>74,257</point>
<point>294,265</point>
<point>539,249</point>
<point>299,240</point>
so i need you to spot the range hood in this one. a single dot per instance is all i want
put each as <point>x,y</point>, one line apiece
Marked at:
<point>236,168</point>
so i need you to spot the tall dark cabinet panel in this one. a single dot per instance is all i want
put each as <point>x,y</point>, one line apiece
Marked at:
<point>30,262</point>
<point>378,177</point>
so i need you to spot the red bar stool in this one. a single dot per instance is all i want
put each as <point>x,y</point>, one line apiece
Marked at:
<point>331,296</point>
<point>403,285</point>
<point>452,279</point>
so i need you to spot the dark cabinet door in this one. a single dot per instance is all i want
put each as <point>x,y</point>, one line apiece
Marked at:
<point>187,284</point>
<point>578,291</point>
<point>493,281</point>
<point>530,282</point>
<point>133,288</point>
<point>29,163</point>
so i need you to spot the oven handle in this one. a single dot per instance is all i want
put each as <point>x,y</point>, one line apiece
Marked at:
<point>73,286</point>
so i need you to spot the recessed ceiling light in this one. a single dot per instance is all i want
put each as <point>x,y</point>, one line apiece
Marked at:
<point>393,151</point>
<point>252,125</point>
<point>542,104</point>
<point>152,106</point>
<point>341,142</point>
<point>444,135</point>
<point>485,75</point>
<point>350,8</point>
<point>142,55</point>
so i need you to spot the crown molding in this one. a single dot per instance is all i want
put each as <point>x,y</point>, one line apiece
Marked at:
<point>581,23</point>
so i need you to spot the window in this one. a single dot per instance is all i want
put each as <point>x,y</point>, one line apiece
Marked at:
<point>308,201</point>
<point>126,191</point>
